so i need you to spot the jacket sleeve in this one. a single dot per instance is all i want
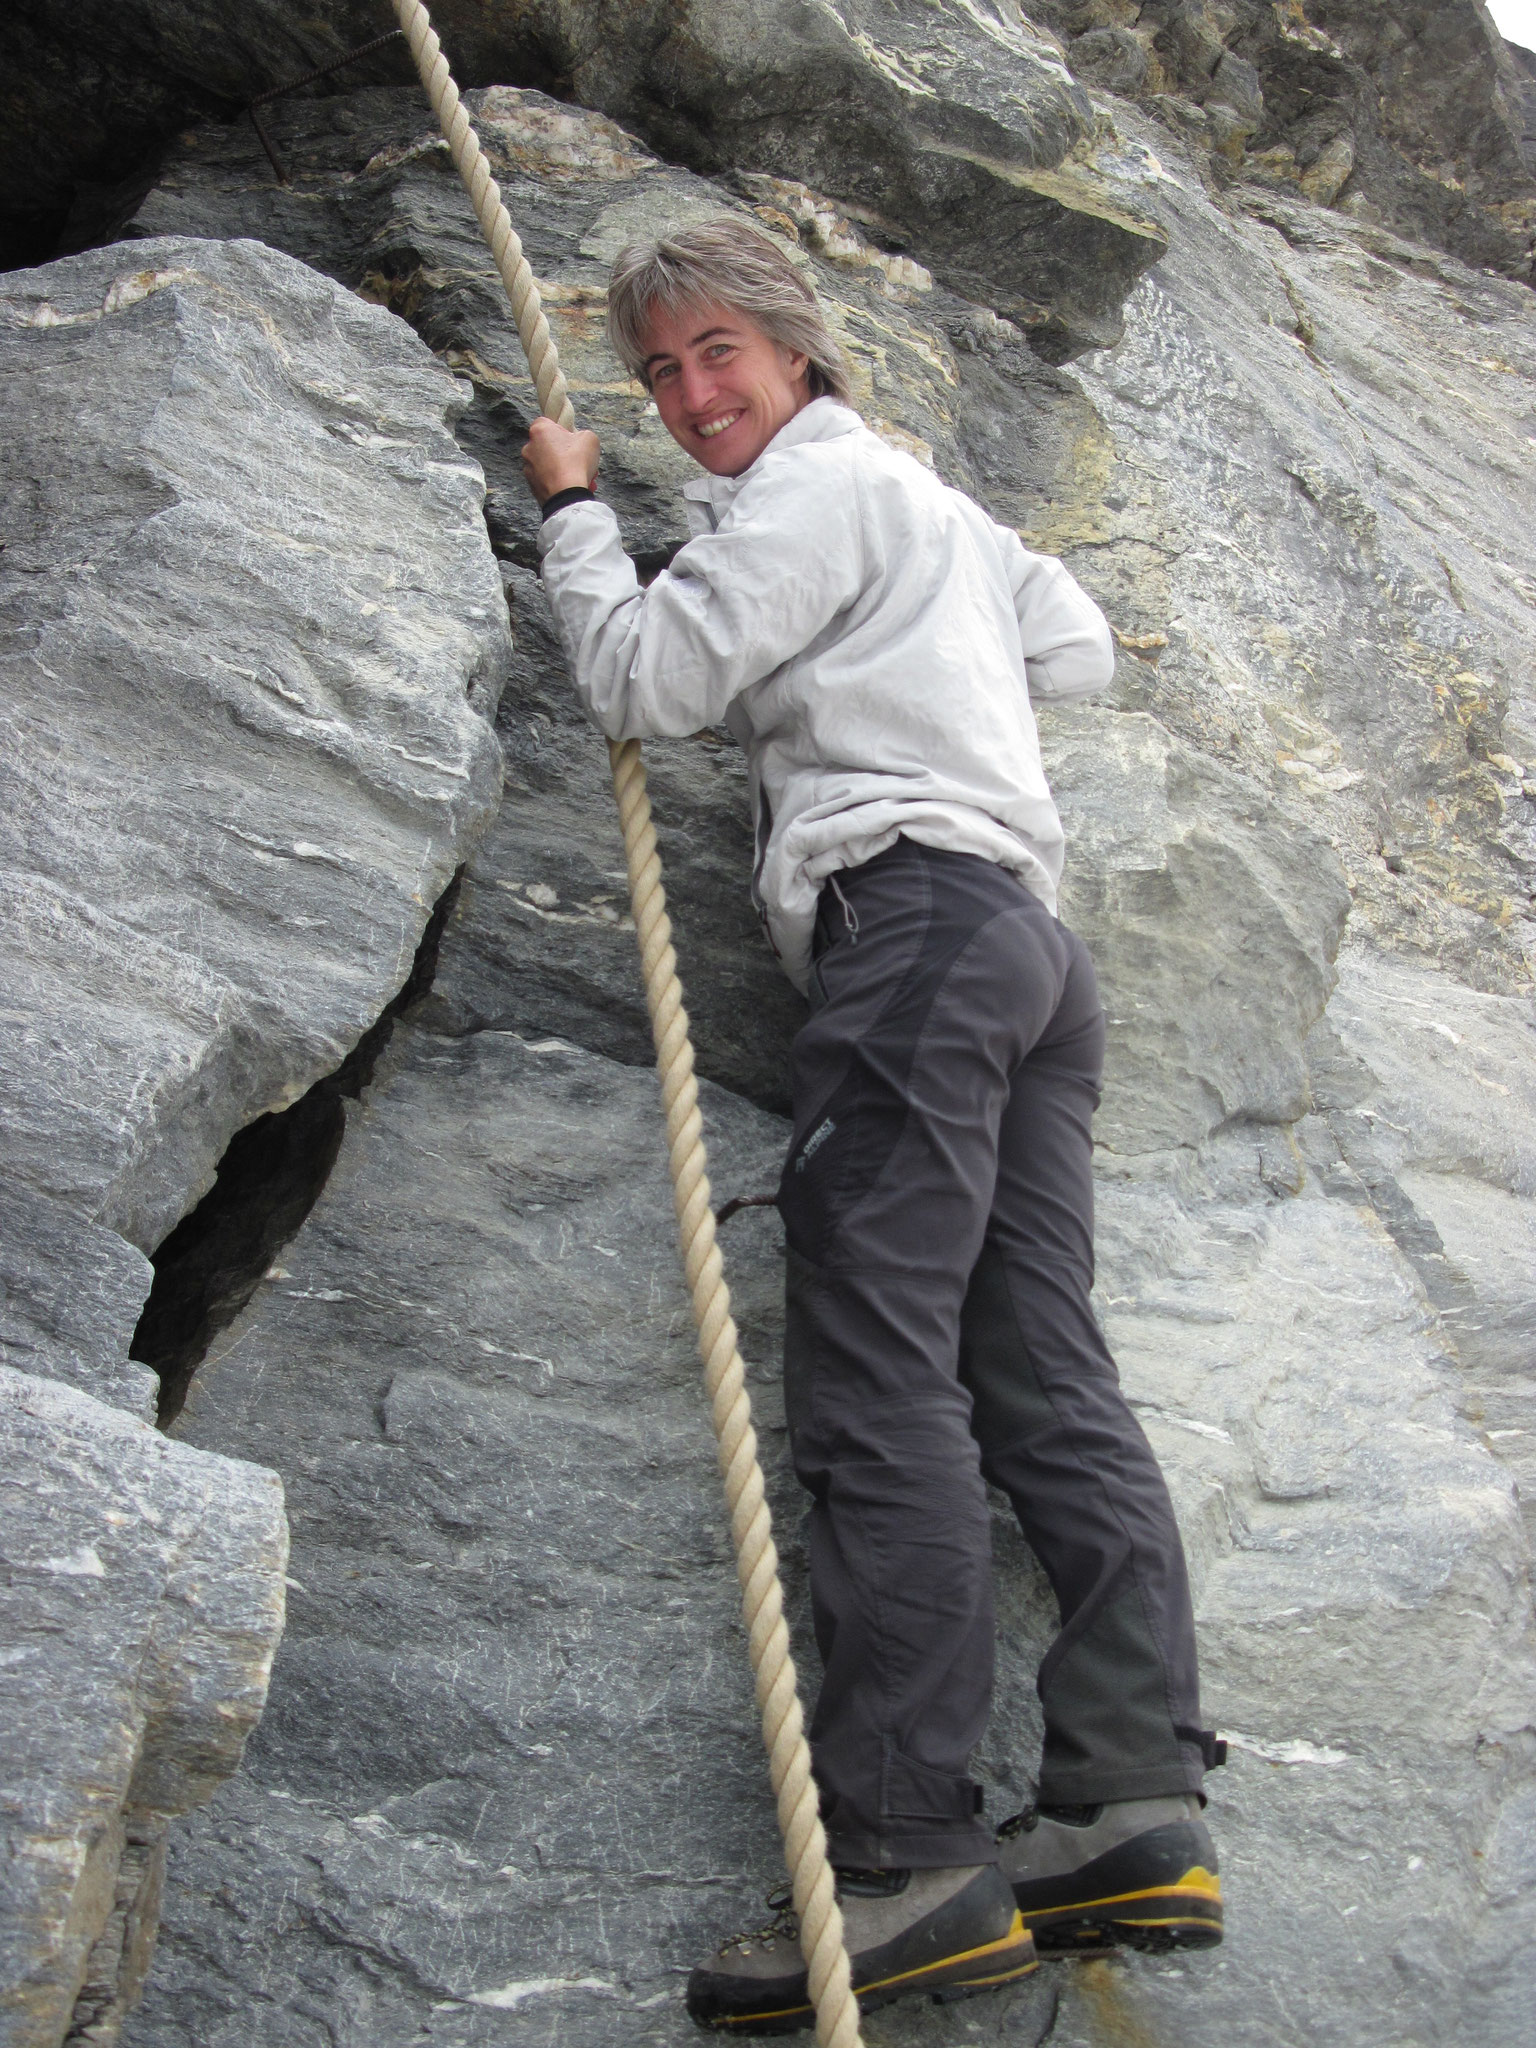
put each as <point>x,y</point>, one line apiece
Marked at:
<point>735,604</point>
<point>1068,649</point>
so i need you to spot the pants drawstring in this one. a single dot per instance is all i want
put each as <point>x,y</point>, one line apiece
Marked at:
<point>850,915</point>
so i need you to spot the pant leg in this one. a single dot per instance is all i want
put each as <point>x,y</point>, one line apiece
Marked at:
<point>901,1080</point>
<point>1057,1435</point>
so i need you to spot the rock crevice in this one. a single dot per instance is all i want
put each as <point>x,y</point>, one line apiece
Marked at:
<point>265,1184</point>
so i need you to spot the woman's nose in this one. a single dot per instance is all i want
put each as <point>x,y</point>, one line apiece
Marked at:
<point>698,387</point>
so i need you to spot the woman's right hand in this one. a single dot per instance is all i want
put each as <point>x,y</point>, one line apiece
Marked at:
<point>559,458</point>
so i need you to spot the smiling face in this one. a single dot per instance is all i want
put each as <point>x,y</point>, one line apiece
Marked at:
<point>723,389</point>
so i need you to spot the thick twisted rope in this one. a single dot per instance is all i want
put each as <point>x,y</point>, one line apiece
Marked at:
<point>757,1561</point>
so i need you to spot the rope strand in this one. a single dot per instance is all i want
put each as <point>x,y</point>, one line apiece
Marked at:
<point>757,1561</point>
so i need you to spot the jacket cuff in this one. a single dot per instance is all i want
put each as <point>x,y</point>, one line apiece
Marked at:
<point>578,494</point>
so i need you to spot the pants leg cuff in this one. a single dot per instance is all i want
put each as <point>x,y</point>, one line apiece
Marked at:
<point>972,1844</point>
<point>1101,1788</point>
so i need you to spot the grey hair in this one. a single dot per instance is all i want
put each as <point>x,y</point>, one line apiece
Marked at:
<point>727,261</point>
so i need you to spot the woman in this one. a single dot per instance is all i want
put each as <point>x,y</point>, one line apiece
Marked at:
<point>874,641</point>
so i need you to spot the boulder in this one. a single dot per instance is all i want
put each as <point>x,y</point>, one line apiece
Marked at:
<point>143,1599</point>
<point>254,638</point>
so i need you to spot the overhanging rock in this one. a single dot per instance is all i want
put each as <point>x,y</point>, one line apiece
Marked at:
<point>956,132</point>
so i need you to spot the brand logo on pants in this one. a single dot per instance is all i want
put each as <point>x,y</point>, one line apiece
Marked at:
<point>814,1142</point>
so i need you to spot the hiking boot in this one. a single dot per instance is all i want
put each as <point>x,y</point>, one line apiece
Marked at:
<point>944,1933</point>
<point>1140,1871</point>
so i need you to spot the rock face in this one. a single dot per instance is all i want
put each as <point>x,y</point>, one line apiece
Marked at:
<point>143,1598</point>
<point>70,1294</point>
<point>956,130</point>
<point>960,130</point>
<point>509,1781</point>
<point>1197,910</point>
<point>1522,64</point>
<point>1408,116</point>
<point>515,1681</point>
<point>244,586</point>
<point>254,639</point>
<point>456,1823</point>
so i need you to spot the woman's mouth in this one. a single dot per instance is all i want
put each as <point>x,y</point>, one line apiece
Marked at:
<point>713,427</point>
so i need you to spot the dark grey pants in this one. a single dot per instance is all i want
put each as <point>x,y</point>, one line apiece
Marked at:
<point>938,1203</point>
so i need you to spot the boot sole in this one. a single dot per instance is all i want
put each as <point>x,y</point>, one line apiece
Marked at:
<point>955,1977</point>
<point>1186,1914</point>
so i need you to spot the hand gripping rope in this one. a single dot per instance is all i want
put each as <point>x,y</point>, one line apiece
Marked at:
<point>757,1561</point>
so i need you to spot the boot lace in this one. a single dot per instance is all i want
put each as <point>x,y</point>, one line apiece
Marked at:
<point>1026,1822</point>
<point>1023,1823</point>
<point>785,1924</point>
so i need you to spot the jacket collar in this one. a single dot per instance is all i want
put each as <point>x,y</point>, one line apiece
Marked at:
<point>824,419</point>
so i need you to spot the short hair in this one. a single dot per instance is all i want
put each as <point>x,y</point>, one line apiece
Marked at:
<point>726,261</point>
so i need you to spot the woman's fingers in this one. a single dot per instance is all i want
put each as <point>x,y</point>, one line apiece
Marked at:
<point>558,458</point>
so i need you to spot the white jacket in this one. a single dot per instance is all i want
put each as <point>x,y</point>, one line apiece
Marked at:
<point>871,638</point>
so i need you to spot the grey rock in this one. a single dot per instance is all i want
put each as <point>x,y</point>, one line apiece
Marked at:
<point>510,1780</point>
<point>1419,98</point>
<point>70,1294</point>
<point>1111,58</point>
<point>1521,89</point>
<point>969,105</point>
<point>1425,98</point>
<point>955,131</point>
<point>1426,1100</point>
<point>958,130</point>
<point>254,642</point>
<point>1442,78</point>
<point>1295,596</point>
<point>1300,487</point>
<point>244,588</point>
<point>1213,928</point>
<point>509,1786</point>
<point>1363,1612</point>
<point>1236,83</point>
<point>143,1598</point>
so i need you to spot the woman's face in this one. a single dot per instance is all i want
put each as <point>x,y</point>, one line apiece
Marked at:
<point>723,389</point>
